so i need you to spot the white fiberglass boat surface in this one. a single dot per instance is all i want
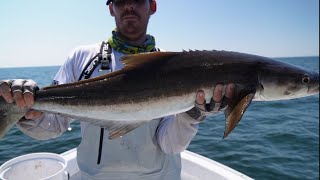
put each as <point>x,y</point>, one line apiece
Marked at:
<point>50,166</point>
<point>194,167</point>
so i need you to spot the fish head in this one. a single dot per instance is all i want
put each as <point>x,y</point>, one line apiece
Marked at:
<point>281,81</point>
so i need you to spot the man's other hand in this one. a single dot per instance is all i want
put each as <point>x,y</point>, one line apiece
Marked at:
<point>218,103</point>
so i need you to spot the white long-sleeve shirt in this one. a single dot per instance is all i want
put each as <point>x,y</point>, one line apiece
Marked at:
<point>151,151</point>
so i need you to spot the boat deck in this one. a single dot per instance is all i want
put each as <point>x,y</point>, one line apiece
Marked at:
<point>194,167</point>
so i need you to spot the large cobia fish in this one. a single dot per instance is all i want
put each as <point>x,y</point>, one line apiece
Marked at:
<point>158,84</point>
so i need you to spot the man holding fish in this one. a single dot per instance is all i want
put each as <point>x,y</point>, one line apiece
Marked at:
<point>152,151</point>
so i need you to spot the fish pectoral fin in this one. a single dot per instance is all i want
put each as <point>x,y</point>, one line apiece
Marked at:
<point>235,111</point>
<point>118,128</point>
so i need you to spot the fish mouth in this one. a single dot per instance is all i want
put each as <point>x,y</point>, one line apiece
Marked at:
<point>313,90</point>
<point>313,87</point>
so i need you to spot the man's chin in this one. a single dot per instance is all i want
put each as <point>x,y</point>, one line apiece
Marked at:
<point>131,29</point>
<point>131,34</point>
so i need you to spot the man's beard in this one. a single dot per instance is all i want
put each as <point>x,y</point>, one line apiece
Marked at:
<point>131,30</point>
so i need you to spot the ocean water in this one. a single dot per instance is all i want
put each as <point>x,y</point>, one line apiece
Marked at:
<point>274,140</point>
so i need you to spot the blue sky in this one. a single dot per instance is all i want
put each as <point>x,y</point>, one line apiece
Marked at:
<point>40,33</point>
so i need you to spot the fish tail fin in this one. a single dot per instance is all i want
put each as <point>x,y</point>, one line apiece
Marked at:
<point>9,116</point>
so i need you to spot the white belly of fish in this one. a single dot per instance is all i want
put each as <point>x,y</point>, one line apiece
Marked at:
<point>151,109</point>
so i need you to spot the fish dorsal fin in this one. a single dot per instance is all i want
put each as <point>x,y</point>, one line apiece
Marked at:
<point>139,60</point>
<point>235,111</point>
<point>130,62</point>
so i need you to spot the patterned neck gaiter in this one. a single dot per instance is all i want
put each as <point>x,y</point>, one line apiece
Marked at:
<point>117,43</point>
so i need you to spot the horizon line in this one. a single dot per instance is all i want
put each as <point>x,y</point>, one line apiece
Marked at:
<point>53,65</point>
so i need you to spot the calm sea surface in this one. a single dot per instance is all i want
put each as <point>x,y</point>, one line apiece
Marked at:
<point>274,140</point>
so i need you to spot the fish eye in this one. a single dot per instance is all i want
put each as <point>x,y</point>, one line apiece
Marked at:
<point>305,79</point>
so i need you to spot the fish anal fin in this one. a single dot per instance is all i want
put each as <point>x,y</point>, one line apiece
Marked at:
<point>235,111</point>
<point>115,129</point>
<point>118,129</point>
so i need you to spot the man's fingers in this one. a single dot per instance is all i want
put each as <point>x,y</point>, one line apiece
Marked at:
<point>230,90</point>
<point>218,103</point>
<point>17,91</point>
<point>18,98</point>
<point>28,99</point>
<point>33,114</point>
<point>17,85</point>
<point>5,91</point>
<point>30,88</point>
<point>221,96</point>
<point>218,93</point>
<point>200,99</point>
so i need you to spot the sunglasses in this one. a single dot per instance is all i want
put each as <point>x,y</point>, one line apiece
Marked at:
<point>122,2</point>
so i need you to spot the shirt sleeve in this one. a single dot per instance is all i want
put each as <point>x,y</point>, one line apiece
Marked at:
<point>48,125</point>
<point>45,127</point>
<point>175,132</point>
